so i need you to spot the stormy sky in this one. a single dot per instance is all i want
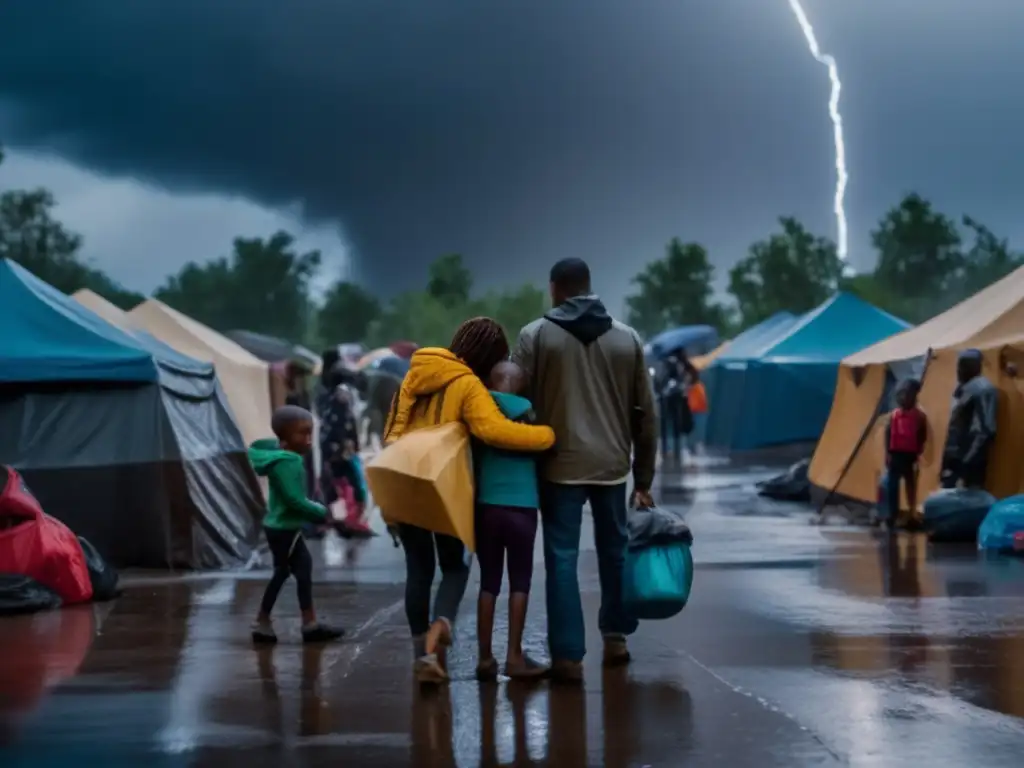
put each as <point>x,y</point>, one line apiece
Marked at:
<point>388,132</point>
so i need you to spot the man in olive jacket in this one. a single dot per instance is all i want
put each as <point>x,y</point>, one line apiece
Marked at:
<point>589,382</point>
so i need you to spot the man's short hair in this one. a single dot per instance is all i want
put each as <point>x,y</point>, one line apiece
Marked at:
<point>287,415</point>
<point>571,277</point>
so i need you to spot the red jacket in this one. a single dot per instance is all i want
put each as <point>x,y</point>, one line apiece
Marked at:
<point>908,430</point>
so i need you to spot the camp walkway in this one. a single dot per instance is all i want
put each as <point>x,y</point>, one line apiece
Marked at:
<point>802,646</point>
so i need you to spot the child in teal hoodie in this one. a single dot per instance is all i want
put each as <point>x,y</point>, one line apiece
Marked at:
<point>507,498</point>
<point>288,510</point>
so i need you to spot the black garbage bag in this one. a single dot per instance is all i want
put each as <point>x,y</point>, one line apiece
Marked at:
<point>22,594</point>
<point>791,485</point>
<point>956,514</point>
<point>656,527</point>
<point>101,573</point>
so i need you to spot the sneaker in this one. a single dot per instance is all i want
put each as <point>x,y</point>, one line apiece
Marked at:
<point>263,633</point>
<point>616,652</point>
<point>563,671</point>
<point>321,633</point>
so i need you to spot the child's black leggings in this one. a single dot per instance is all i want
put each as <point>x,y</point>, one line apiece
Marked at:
<point>291,558</point>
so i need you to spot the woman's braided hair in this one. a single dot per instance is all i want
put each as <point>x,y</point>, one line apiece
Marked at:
<point>481,344</point>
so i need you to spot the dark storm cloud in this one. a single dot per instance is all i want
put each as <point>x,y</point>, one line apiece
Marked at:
<point>515,132</point>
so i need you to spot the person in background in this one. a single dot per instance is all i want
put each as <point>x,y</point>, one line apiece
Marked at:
<point>445,386</point>
<point>972,424</point>
<point>298,395</point>
<point>339,442</point>
<point>506,524</point>
<point>589,380</point>
<point>906,434</point>
<point>697,400</point>
<point>676,417</point>
<point>288,509</point>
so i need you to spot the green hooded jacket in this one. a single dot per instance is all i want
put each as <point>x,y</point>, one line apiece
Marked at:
<point>288,508</point>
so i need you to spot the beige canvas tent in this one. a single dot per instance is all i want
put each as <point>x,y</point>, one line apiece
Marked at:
<point>850,456</point>
<point>244,377</point>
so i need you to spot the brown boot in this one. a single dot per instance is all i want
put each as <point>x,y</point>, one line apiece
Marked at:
<point>563,671</point>
<point>616,652</point>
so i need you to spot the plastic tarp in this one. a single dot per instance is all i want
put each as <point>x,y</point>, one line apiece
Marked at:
<point>49,337</point>
<point>35,545</point>
<point>244,377</point>
<point>776,387</point>
<point>955,514</point>
<point>1002,530</point>
<point>791,485</point>
<point>271,349</point>
<point>425,478</point>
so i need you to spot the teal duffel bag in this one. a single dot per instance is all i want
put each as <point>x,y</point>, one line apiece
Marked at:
<point>658,573</point>
<point>658,580</point>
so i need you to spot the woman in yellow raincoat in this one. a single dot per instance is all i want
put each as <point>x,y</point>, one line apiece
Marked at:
<point>443,386</point>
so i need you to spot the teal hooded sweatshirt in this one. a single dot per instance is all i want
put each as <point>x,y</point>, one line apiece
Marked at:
<point>288,508</point>
<point>507,478</point>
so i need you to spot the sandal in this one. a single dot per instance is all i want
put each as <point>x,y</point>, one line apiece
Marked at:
<point>487,670</point>
<point>527,669</point>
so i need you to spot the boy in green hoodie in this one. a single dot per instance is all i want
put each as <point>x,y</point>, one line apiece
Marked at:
<point>288,510</point>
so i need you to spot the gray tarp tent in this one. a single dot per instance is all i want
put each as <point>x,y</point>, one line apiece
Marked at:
<point>123,439</point>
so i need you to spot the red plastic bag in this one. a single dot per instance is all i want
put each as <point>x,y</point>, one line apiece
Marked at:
<point>40,546</point>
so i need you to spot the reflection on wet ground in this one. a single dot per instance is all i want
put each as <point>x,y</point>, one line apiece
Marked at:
<point>802,645</point>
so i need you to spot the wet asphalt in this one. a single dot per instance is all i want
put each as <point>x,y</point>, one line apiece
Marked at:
<point>802,646</point>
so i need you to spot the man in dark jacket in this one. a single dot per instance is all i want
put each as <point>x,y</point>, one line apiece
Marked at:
<point>590,383</point>
<point>972,425</point>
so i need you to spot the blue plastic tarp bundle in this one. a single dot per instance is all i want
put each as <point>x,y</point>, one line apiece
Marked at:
<point>1002,530</point>
<point>955,514</point>
<point>658,573</point>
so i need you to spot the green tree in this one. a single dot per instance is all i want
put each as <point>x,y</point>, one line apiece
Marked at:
<point>515,307</point>
<point>416,316</point>
<point>450,281</point>
<point>919,256</point>
<point>33,237</point>
<point>262,287</point>
<point>676,290</point>
<point>987,260</point>
<point>347,313</point>
<point>792,270</point>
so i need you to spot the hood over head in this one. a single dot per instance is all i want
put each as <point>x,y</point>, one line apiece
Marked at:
<point>265,453</point>
<point>511,405</point>
<point>583,316</point>
<point>431,369</point>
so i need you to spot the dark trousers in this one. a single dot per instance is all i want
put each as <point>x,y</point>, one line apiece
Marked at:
<point>561,510</point>
<point>424,551</point>
<point>502,530</point>
<point>901,470</point>
<point>291,558</point>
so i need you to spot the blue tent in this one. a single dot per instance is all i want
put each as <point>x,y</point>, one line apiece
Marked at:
<point>694,339</point>
<point>774,384</point>
<point>51,337</point>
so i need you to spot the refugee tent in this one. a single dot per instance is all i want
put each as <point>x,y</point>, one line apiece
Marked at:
<point>244,377</point>
<point>775,386</point>
<point>271,349</point>
<point>850,458</point>
<point>120,437</point>
<point>750,336</point>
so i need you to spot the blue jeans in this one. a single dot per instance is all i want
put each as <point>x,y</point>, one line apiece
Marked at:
<point>561,509</point>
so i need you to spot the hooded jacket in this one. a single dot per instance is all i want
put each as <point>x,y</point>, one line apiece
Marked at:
<point>288,508</point>
<point>589,380</point>
<point>505,478</point>
<point>439,388</point>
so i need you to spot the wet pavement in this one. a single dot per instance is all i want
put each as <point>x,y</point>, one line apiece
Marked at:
<point>802,646</point>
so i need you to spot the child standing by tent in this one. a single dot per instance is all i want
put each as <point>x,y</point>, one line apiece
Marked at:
<point>288,509</point>
<point>905,439</point>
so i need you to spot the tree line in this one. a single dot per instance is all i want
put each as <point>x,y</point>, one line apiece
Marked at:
<point>925,264</point>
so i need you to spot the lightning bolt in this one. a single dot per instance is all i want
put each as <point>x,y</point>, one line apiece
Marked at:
<point>829,62</point>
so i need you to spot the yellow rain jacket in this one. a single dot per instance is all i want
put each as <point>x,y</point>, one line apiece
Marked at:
<point>434,370</point>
